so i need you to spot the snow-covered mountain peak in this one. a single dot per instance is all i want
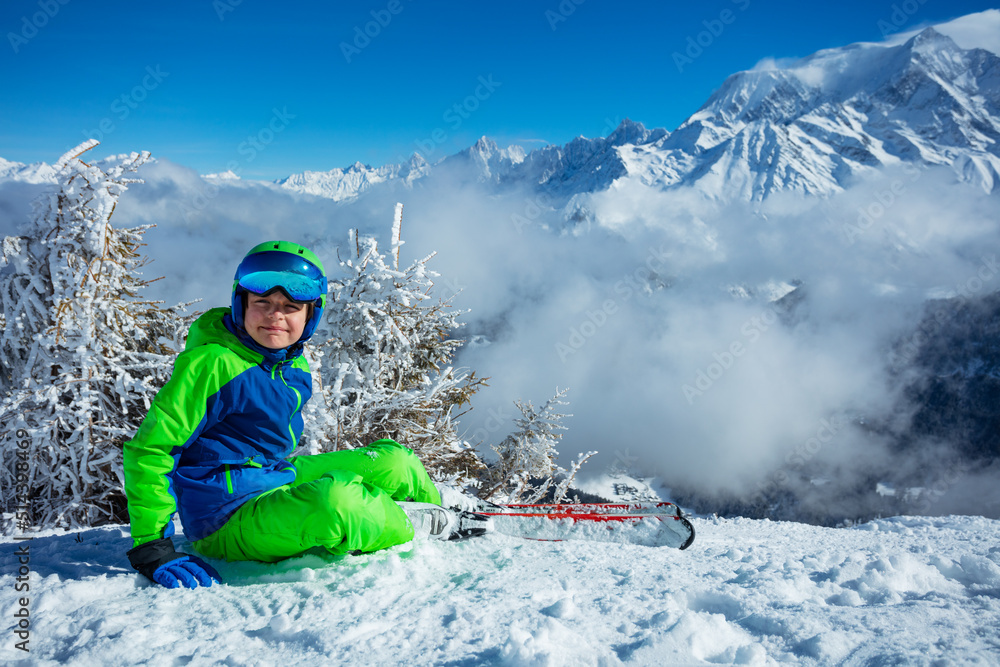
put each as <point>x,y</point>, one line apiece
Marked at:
<point>814,124</point>
<point>936,55</point>
<point>484,146</point>
<point>488,151</point>
<point>930,40</point>
<point>38,172</point>
<point>342,184</point>
<point>783,92</point>
<point>631,132</point>
<point>484,162</point>
<point>744,93</point>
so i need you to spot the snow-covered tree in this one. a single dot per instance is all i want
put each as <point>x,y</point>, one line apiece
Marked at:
<point>526,465</point>
<point>386,362</point>
<point>82,353</point>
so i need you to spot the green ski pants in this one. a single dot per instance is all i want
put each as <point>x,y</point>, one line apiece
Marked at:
<point>342,501</point>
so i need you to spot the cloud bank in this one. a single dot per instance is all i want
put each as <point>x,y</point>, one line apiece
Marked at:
<point>727,348</point>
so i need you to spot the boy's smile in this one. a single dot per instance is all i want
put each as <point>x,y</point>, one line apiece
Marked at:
<point>275,321</point>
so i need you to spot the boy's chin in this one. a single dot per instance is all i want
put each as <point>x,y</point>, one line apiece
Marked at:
<point>272,342</point>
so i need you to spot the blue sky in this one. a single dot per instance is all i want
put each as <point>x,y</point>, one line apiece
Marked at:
<point>276,90</point>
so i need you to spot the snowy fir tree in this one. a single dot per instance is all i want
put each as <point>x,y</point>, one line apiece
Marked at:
<point>82,352</point>
<point>386,362</point>
<point>526,466</point>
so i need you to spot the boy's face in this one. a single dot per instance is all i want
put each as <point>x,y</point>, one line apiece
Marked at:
<point>274,320</point>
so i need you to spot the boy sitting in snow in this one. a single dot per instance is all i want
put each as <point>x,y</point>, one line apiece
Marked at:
<point>218,443</point>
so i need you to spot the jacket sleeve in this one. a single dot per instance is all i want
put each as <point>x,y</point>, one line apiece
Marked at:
<point>176,417</point>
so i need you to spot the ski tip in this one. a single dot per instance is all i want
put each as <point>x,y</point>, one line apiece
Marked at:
<point>689,541</point>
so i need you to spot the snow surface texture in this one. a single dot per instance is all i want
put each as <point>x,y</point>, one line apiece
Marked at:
<point>898,591</point>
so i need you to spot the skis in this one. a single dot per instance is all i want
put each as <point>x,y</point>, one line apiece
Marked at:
<point>645,523</point>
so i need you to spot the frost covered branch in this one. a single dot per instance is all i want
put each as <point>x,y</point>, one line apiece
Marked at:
<point>386,363</point>
<point>81,353</point>
<point>526,459</point>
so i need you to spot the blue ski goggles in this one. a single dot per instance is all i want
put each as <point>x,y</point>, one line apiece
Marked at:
<point>264,272</point>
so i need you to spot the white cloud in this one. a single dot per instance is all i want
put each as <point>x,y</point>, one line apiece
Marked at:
<point>633,309</point>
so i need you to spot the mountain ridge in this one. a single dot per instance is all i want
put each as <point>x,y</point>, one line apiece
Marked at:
<point>811,126</point>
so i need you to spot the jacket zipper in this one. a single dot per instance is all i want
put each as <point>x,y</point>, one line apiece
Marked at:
<point>298,403</point>
<point>227,468</point>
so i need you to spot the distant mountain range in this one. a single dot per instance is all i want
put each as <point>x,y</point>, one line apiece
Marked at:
<point>811,126</point>
<point>38,172</point>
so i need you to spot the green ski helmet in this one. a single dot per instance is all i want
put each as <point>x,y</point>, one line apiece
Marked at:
<point>285,266</point>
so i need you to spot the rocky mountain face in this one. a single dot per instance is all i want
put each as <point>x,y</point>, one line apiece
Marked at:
<point>957,391</point>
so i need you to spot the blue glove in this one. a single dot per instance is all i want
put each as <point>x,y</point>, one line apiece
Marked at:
<point>187,570</point>
<point>158,560</point>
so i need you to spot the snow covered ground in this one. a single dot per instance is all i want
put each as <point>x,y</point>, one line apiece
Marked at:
<point>896,591</point>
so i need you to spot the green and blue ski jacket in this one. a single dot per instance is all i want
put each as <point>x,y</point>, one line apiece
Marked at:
<point>218,432</point>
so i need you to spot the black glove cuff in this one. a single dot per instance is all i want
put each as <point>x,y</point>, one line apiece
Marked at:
<point>145,558</point>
